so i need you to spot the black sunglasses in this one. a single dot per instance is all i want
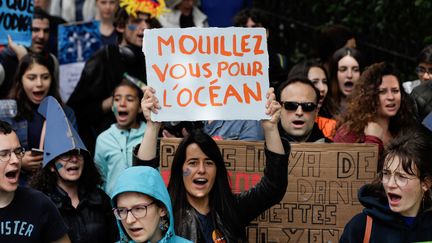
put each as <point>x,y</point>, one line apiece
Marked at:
<point>292,106</point>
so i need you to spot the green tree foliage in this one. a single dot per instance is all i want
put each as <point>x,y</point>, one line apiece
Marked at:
<point>391,30</point>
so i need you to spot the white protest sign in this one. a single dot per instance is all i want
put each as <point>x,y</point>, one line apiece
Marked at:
<point>208,73</point>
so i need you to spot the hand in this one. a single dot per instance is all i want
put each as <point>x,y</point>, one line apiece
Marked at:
<point>107,104</point>
<point>374,129</point>
<point>31,162</point>
<point>149,104</point>
<point>273,108</point>
<point>19,50</point>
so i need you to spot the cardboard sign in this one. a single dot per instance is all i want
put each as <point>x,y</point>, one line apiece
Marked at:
<point>16,21</point>
<point>323,180</point>
<point>208,73</point>
<point>77,42</point>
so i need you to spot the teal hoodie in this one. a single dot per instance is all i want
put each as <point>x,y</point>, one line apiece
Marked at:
<point>146,180</point>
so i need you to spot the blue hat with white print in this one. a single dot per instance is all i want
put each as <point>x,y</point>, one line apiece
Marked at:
<point>60,136</point>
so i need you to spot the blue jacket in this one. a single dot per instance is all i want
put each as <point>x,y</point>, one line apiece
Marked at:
<point>248,130</point>
<point>113,152</point>
<point>146,180</point>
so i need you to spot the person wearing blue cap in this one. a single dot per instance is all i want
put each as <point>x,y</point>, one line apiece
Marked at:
<point>142,207</point>
<point>70,178</point>
<point>26,215</point>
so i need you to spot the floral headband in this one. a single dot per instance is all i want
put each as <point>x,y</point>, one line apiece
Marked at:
<point>153,7</point>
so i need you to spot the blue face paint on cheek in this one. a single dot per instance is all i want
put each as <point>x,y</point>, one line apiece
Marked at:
<point>58,166</point>
<point>186,172</point>
<point>114,109</point>
<point>132,27</point>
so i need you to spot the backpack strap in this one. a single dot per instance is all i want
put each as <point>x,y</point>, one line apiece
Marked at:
<point>368,229</point>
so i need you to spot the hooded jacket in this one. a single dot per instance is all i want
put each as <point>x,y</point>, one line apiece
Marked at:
<point>387,225</point>
<point>146,180</point>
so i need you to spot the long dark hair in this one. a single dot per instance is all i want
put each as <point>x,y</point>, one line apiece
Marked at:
<point>24,105</point>
<point>45,180</point>
<point>221,198</point>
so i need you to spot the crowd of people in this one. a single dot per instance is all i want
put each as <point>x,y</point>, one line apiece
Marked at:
<point>88,164</point>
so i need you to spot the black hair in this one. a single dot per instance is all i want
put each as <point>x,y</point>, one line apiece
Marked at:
<point>125,82</point>
<point>221,197</point>
<point>5,127</point>
<point>425,55</point>
<point>256,15</point>
<point>39,13</point>
<point>294,80</point>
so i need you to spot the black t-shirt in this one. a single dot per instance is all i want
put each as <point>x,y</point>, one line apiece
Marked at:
<point>206,226</point>
<point>186,21</point>
<point>31,217</point>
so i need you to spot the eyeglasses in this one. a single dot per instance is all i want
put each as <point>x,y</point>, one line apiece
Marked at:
<point>421,70</point>
<point>138,211</point>
<point>69,155</point>
<point>5,155</point>
<point>400,179</point>
<point>292,106</point>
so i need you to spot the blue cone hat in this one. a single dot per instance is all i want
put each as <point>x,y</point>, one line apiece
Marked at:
<point>60,136</point>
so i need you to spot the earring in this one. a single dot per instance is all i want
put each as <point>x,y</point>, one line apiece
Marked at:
<point>163,224</point>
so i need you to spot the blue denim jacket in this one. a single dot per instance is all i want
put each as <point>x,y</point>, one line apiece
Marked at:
<point>247,130</point>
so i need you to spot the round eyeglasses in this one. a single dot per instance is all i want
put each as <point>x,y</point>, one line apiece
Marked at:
<point>5,154</point>
<point>422,70</point>
<point>400,179</point>
<point>138,211</point>
<point>66,157</point>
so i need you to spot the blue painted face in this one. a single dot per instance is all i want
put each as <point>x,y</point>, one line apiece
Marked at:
<point>58,166</point>
<point>187,172</point>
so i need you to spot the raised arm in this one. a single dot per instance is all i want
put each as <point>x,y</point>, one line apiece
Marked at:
<point>271,133</point>
<point>148,147</point>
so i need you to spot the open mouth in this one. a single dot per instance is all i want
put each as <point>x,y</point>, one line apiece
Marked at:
<point>140,35</point>
<point>123,113</point>
<point>394,198</point>
<point>391,105</point>
<point>298,123</point>
<point>349,84</point>
<point>12,174</point>
<point>200,181</point>
<point>72,169</point>
<point>39,94</point>
<point>135,229</point>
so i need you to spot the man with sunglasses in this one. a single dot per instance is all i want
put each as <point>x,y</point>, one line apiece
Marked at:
<point>26,215</point>
<point>299,99</point>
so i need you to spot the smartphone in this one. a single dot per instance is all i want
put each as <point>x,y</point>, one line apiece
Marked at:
<point>35,151</point>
